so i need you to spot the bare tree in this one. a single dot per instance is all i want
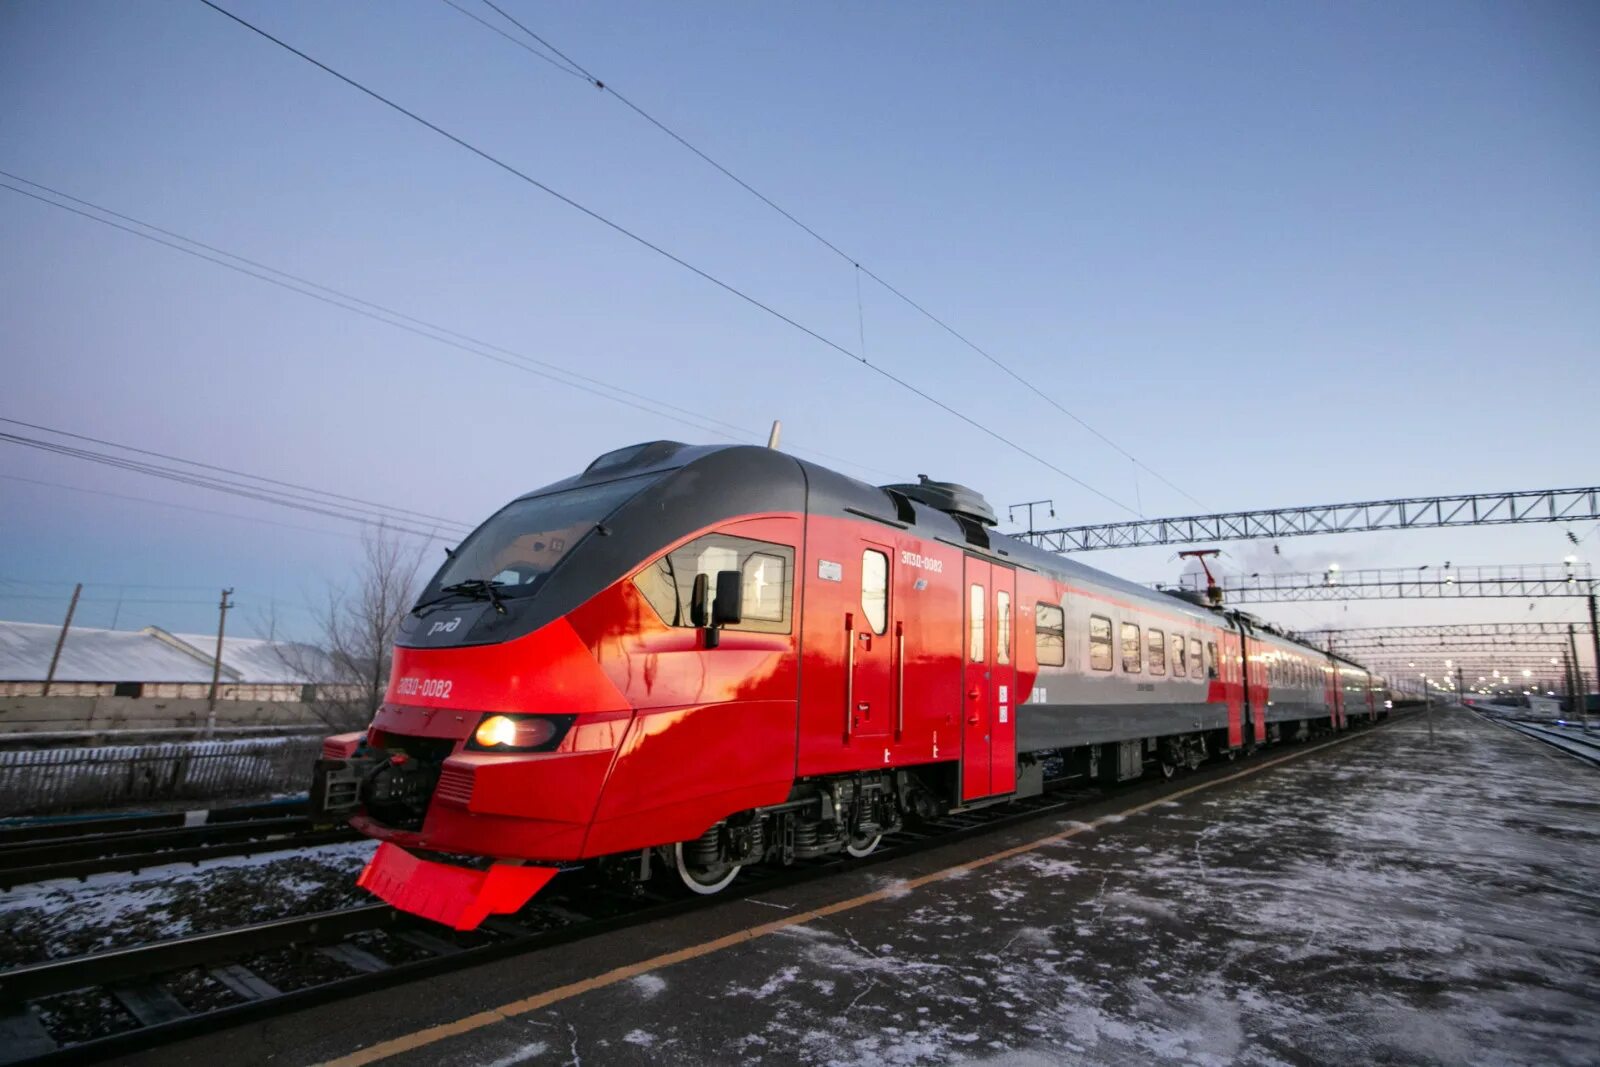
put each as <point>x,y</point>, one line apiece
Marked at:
<point>348,667</point>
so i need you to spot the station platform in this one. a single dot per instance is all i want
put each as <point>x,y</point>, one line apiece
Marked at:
<point>1393,896</point>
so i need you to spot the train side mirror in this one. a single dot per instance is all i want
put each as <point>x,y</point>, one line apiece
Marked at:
<point>728,607</point>
<point>697,601</point>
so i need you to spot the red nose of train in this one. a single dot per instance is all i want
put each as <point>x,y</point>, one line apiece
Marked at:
<point>477,755</point>
<point>461,897</point>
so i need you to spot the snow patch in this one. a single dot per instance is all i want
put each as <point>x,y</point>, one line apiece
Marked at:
<point>648,985</point>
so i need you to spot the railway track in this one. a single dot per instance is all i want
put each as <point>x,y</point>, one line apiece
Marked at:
<point>1572,742</point>
<point>75,848</point>
<point>111,1003</point>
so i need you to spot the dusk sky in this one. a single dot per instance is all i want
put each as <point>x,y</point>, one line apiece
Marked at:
<point>1281,253</point>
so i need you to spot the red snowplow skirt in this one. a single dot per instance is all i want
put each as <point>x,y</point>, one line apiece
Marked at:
<point>455,896</point>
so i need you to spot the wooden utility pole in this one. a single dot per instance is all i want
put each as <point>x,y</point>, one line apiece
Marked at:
<point>216,663</point>
<point>61,638</point>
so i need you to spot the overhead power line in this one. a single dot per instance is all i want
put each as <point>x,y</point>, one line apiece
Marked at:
<point>407,513</point>
<point>189,508</point>
<point>646,243</point>
<point>372,310</point>
<point>311,500</point>
<point>567,65</point>
<point>1413,513</point>
<point>452,338</point>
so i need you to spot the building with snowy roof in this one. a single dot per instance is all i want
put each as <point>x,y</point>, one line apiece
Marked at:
<point>154,663</point>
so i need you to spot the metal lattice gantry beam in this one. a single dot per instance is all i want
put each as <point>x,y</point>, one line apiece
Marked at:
<point>1424,512</point>
<point>1497,658</point>
<point>1355,648</point>
<point>1521,580</point>
<point>1451,629</point>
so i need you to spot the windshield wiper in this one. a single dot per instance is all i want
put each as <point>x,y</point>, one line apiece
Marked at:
<point>472,589</point>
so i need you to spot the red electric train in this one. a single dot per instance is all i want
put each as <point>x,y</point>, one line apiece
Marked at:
<point>687,659</point>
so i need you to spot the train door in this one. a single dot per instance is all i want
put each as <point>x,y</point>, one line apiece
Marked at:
<point>988,740</point>
<point>1249,707</point>
<point>1335,695</point>
<point>1003,720</point>
<point>871,702</point>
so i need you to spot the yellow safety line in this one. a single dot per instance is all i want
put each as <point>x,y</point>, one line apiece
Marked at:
<point>505,1012</point>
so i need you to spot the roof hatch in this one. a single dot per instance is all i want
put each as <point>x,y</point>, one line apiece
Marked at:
<point>948,497</point>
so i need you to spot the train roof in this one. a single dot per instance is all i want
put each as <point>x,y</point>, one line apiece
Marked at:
<point>753,477</point>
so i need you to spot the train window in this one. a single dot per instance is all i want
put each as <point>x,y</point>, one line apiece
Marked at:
<point>1211,659</point>
<point>1050,635</point>
<point>875,589</point>
<point>975,624</point>
<point>764,588</point>
<point>1194,655</point>
<point>524,541</point>
<point>1002,626</point>
<point>1132,653</point>
<point>767,571</point>
<point>1158,652</point>
<point>1179,660</point>
<point>1099,643</point>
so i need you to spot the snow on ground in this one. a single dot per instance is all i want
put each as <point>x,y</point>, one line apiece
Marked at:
<point>1388,902</point>
<point>67,917</point>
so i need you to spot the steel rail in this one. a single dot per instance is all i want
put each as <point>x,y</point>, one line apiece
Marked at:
<point>38,828</point>
<point>1583,748</point>
<point>80,859</point>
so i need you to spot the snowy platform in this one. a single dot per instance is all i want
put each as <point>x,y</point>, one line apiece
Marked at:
<point>1385,899</point>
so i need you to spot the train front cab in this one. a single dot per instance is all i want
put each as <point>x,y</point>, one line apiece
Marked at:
<point>671,726</point>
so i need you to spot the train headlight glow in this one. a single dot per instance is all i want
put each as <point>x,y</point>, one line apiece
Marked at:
<point>520,733</point>
<point>496,731</point>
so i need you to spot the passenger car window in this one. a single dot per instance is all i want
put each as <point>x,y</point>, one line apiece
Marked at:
<point>1132,653</point>
<point>1211,659</point>
<point>1099,643</point>
<point>1194,656</point>
<point>975,623</point>
<point>1179,659</point>
<point>1002,627</point>
<point>766,571</point>
<point>875,589</point>
<point>1050,634</point>
<point>1158,652</point>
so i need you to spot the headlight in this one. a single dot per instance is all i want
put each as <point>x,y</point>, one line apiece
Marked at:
<point>519,733</point>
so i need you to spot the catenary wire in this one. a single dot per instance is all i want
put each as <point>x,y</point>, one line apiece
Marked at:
<point>200,511</point>
<point>340,303</point>
<point>462,341</point>
<point>607,87</point>
<point>664,253</point>
<point>407,513</point>
<point>341,294</point>
<point>217,484</point>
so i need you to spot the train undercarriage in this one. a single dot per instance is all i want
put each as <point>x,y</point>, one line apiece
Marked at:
<point>847,814</point>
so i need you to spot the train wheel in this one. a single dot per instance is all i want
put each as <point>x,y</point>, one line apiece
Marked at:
<point>863,846</point>
<point>704,880</point>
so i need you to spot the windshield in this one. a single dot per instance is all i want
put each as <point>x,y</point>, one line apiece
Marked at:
<point>527,538</point>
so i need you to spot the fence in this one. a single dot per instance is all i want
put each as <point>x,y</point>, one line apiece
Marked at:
<point>43,781</point>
